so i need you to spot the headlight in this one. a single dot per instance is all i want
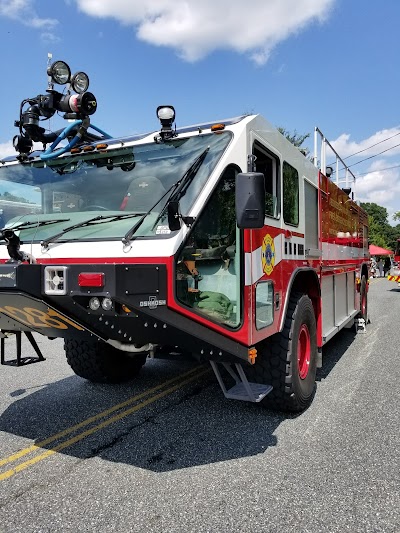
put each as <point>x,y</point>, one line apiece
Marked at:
<point>107,304</point>
<point>94,303</point>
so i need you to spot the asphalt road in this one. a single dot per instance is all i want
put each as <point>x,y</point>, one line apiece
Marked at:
<point>75,456</point>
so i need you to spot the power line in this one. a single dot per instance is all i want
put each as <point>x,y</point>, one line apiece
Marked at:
<point>372,145</point>
<point>379,170</point>
<point>372,156</point>
<point>367,158</point>
<point>368,148</point>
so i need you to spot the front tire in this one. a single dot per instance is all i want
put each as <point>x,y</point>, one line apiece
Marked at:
<point>99,362</point>
<point>288,360</point>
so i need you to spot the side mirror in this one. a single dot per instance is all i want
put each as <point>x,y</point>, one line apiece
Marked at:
<point>250,200</point>
<point>174,222</point>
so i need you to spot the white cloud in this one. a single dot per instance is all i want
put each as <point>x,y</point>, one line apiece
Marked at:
<point>377,182</point>
<point>6,149</point>
<point>195,28</point>
<point>24,12</point>
<point>387,139</point>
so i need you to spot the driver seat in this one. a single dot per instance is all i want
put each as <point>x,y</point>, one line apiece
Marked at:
<point>143,192</point>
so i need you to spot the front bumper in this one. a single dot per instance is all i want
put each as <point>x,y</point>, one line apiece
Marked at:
<point>139,314</point>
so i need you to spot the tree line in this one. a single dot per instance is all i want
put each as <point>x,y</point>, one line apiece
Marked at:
<point>381,233</point>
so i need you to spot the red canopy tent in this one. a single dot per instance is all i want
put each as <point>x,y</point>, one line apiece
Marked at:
<point>377,250</point>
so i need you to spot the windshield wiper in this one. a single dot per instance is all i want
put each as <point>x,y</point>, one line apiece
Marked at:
<point>38,223</point>
<point>95,220</point>
<point>175,192</point>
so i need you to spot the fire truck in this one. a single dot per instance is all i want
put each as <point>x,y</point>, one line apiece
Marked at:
<point>394,273</point>
<point>219,241</point>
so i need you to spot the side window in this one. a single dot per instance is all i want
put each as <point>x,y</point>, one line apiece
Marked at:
<point>264,304</point>
<point>267,163</point>
<point>290,194</point>
<point>208,267</point>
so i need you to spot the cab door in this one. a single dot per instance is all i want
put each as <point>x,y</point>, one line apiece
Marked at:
<point>263,273</point>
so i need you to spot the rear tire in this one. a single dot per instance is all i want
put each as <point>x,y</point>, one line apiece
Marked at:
<point>288,360</point>
<point>99,362</point>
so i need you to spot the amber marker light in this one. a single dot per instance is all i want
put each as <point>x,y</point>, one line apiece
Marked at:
<point>217,127</point>
<point>252,354</point>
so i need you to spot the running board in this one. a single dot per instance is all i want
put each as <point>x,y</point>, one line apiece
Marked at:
<point>19,361</point>
<point>243,389</point>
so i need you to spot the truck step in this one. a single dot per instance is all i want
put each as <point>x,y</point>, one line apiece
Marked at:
<point>243,389</point>
<point>19,361</point>
<point>360,325</point>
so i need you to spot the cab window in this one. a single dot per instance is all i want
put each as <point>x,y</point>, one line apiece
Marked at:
<point>267,163</point>
<point>290,194</point>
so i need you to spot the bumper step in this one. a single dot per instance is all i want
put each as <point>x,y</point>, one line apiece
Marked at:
<point>19,361</point>
<point>243,389</point>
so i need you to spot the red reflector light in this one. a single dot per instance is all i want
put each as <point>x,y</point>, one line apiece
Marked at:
<point>91,279</point>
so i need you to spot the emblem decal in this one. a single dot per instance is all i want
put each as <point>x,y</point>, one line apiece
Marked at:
<point>268,254</point>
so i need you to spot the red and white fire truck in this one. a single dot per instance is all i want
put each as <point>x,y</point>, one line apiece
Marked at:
<point>394,273</point>
<point>220,241</point>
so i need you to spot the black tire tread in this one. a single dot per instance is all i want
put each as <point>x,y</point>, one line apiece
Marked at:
<point>99,362</point>
<point>273,365</point>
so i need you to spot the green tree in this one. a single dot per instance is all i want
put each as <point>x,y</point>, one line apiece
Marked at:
<point>375,233</point>
<point>379,213</point>
<point>12,198</point>
<point>381,233</point>
<point>296,138</point>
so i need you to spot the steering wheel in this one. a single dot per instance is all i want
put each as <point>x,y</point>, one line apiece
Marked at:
<point>94,208</point>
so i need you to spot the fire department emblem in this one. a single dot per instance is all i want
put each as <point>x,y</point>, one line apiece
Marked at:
<point>268,254</point>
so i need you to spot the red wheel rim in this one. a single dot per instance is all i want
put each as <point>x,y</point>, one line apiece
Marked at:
<point>304,351</point>
<point>363,303</point>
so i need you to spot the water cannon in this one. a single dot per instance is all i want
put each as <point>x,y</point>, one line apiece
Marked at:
<point>77,104</point>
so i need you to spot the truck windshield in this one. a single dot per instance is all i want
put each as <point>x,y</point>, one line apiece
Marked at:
<point>120,181</point>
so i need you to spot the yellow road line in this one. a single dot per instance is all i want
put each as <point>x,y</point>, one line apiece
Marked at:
<point>94,429</point>
<point>92,419</point>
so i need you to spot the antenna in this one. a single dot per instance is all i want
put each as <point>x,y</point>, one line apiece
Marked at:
<point>50,85</point>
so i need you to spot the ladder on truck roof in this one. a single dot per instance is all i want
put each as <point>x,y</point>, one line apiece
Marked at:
<point>345,178</point>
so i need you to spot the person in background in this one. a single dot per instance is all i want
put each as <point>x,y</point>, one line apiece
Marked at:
<point>380,267</point>
<point>387,266</point>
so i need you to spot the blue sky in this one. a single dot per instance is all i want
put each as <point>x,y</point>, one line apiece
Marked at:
<point>300,63</point>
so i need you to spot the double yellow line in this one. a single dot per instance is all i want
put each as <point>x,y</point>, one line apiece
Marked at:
<point>124,409</point>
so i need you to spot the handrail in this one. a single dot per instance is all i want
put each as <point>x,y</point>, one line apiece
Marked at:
<point>319,136</point>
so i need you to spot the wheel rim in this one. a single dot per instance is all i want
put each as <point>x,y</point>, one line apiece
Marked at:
<point>363,303</point>
<point>304,351</point>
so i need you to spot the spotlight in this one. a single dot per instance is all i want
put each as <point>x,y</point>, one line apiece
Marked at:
<point>59,72</point>
<point>329,172</point>
<point>80,82</point>
<point>166,115</point>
